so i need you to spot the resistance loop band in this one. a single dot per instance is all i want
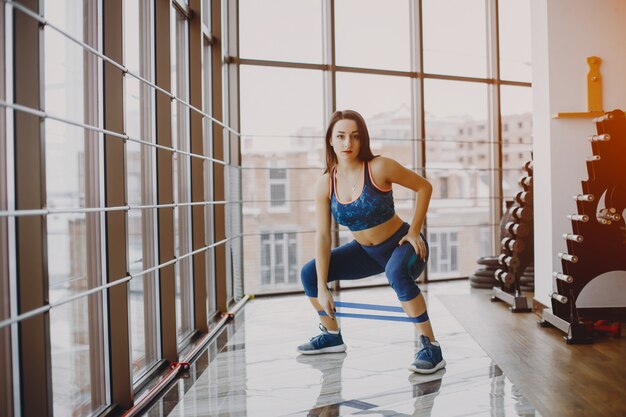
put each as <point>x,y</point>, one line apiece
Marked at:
<point>419,319</point>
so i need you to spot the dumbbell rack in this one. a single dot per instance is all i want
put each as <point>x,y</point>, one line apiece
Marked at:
<point>516,247</point>
<point>597,243</point>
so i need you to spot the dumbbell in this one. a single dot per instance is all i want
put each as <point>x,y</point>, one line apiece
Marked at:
<point>614,328</point>
<point>517,229</point>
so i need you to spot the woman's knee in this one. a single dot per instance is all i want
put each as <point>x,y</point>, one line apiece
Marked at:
<point>308,275</point>
<point>402,281</point>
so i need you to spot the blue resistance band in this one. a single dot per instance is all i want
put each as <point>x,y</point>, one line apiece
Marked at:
<point>419,319</point>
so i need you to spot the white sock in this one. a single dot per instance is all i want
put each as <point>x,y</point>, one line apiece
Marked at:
<point>435,343</point>
<point>333,331</point>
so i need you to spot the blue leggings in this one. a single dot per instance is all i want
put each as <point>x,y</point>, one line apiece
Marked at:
<point>353,261</point>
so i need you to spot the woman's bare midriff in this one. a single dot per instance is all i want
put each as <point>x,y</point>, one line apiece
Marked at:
<point>378,234</point>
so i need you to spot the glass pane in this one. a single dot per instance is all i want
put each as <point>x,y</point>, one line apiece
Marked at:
<point>454,37</point>
<point>269,106</point>
<point>516,108</point>
<point>181,169</point>
<point>72,162</point>
<point>72,349</point>
<point>385,103</point>
<point>281,30</point>
<point>206,13</point>
<point>287,130</point>
<point>140,167</point>
<point>365,30</point>
<point>459,146</point>
<point>514,28</point>
<point>67,15</point>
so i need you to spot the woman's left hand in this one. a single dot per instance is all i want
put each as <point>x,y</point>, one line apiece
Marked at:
<point>415,239</point>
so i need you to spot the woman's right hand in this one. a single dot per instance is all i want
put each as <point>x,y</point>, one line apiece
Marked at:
<point>325,298</point>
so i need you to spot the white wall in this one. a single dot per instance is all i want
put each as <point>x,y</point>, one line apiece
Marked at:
<point>564,34</point>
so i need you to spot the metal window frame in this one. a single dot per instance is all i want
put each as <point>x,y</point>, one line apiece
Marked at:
<point>116,221</point>
<point>11,226</point>
<point>199,282</point>
<point>417,74</point>
<point>495,118</point>
<point>217,111</point>
<point>94,196</point>
<point>149,226</point>
<point>105,170</point>
<point>31,246</point>
<point>182,176</point>
<point>208,176</point>
<point>163,132</point>
<point>151,288</point>
<point>6,355</point>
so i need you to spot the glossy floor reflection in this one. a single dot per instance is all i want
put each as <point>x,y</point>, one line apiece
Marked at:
<point>253,368</point>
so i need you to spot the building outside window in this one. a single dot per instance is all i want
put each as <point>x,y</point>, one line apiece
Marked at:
<point>278,186</point>
<point>279,258</point>
<point>443,247</point>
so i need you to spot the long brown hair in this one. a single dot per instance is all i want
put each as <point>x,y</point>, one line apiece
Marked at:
<point>365,153</point>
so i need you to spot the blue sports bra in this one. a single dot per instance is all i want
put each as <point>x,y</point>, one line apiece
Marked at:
<point>372,207</point>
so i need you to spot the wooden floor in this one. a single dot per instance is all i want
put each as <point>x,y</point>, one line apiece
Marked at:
<point>559,379</point>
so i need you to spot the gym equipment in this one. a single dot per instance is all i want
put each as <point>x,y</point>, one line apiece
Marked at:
<point>615,328</point>
<point>484,277</point>
<point>372,316</point>
<point>590,286</point>
<point>516,247</point>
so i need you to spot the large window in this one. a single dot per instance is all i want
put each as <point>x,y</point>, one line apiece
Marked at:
<point>73,160</point>
<point>439,122</point>
<point>141,185</point>
<point>96,178</point>
<point>182,174</point>
<point>282,150</point>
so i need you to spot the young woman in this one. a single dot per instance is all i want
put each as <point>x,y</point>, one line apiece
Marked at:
<point>356,189</point>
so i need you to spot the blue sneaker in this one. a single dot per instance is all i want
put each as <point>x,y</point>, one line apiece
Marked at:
<point>323,343</point>
<point>428,359</point>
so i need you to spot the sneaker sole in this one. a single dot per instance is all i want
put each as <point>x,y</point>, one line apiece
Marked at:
<point>331,349</point>
<point>437,367</point>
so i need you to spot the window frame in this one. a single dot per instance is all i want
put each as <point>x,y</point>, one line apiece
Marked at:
<point>273,206</point>
<point>182,175</point>
<point>286,241</point>
<point>435,264</point>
